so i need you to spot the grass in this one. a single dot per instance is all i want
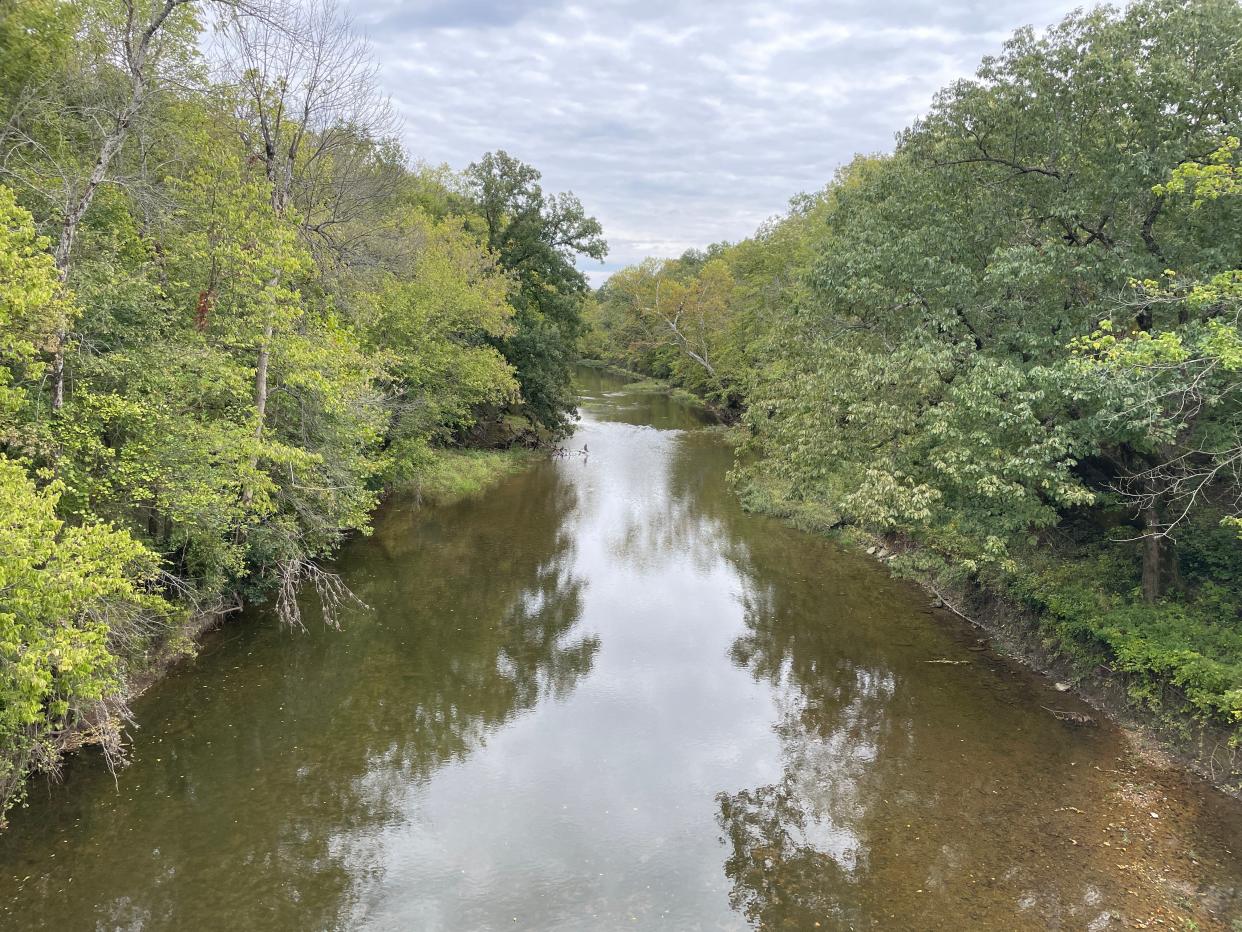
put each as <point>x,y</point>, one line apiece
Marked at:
<point>455,474</point>
<point>659,386</point>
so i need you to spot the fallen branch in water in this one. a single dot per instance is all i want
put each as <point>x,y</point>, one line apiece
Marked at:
<point>1074,718</point>
<point>949,605</point>
<point>333,594</point>
<point>954,662</point>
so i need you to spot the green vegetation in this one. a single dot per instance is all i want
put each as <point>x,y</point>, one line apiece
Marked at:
<point>231,315</point>
<point>1013,343</point>
<point>452,474</point>
<point>535,238</point>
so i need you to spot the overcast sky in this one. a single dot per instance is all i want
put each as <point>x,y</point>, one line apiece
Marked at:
<point>677,122</point>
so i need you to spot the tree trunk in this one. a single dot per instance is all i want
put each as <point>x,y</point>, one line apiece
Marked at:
<point>58,371</point>
<point>1153,555</point>
<point>68,232</point>
<point>260,402</point>
<point>136,47</point>
<point>1173,568</point>
<point>108,150</point>
<point>260,382</point>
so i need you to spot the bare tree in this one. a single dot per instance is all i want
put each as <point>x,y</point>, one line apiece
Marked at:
<point>309,107</point>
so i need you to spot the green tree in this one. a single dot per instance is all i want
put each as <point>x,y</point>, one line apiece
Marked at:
<point>1181,386</point>
<point>434,314</point>
<point>901,342</point>
<point>537,238</point>
<point>677,317</point>
<point>69,596</point>
<point>32,310</point>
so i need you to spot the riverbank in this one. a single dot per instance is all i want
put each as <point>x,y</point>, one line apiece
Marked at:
<point>602,695</point>
<point>1158,720</point>
<point>448,476</point>
<point>455,474</point>
<point>1163,732</point>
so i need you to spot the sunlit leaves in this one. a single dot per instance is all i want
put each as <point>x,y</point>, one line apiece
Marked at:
<point>59,586</point>
<point>32,307</point>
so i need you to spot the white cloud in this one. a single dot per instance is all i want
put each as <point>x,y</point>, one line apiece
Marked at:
<point>677,122</point>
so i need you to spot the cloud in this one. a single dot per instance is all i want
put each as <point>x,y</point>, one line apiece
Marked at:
<point>404,15</point>
<point>677,122</point>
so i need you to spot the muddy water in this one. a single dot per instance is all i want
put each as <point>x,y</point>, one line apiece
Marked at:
<point>598,696</point>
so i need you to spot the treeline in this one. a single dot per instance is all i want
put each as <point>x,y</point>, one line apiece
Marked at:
<point>231,314</point>
<point>1011,347</point>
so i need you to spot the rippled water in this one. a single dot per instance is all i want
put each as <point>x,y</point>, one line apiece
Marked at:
<point>598,696</point>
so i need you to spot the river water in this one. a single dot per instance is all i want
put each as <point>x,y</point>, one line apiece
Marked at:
<point>599,696</point>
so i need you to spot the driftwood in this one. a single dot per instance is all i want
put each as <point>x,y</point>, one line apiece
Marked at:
<point>1073,718</point>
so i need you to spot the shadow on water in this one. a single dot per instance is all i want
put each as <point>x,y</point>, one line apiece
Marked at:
<point>600,696</point>
<point>264,771</point>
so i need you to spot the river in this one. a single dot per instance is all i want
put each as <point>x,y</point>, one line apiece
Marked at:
<point>600,696</point>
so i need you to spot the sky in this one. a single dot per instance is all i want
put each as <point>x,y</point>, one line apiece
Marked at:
<point>678,123</point>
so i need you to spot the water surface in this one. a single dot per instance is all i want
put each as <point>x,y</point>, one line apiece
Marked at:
<point>599,696</point>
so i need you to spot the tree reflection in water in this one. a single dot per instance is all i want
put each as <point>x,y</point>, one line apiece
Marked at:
<point>472,622</point>
<point>795,848</point>
<point>760,699</point>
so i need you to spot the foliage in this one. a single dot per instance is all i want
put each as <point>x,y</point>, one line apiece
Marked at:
<point>1184,384</point>
<point>231,314</point>
<point>450,474</point>
<point>536,237</point>
<point>1013,342</point>
<point>678,322</point>
<point>435,320</point>
<point>31,307</point>
<point>67,595</point>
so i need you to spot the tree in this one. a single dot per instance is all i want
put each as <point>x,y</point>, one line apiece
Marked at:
<point>304,93</point>
<point>32,309</point>
<point>127,52</point>
<point>903,343</point>
<point>68,596</point>
<point>433,315</point>
<point>1181,386</point>
<point>684,307</point>
<point>537,238</point>
<point>271,319</point>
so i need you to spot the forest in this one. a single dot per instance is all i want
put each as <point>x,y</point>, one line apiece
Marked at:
<point>233,313</point>
<point>373,555</point>
<point>1010,350</point>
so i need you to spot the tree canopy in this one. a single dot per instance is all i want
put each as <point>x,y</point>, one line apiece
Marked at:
<point>1010,347</point>
<point>231,316</point>
<point>536,238</point>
